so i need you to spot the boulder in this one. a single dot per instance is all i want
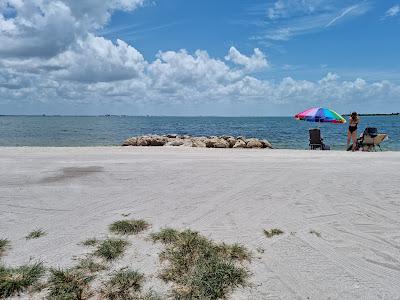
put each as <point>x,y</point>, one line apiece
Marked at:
<point>216,143</point>
<point>239,144</point>
<point>158,141</point>
<point>253,143</point>
<point>266,144</point>
<point>143,141</point>
<point>177,142</point>
<point>130,142</point>
<point>232,141</point>
<point>171,136</point>
<point>198,143</point>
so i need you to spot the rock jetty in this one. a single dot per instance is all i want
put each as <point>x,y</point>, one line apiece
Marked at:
<point>224,141</point>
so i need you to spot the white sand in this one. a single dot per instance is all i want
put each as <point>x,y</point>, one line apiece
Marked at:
<point>352,199</point>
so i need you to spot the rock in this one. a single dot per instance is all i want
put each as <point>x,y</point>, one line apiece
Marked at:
<point>225,141</point>
<point>216,143</point>
<point>175,143</point>
<point>143,141</point>
<point>239,144</point>
<point>253,143</point>
<point>130,142</point>
<point>158,141</point>
<point>198,143</point>
<point>266,144</point>
<point>226,137</point>
<point>232,141</point>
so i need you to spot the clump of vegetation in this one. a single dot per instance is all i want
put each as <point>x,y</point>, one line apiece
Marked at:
<point>166,236</point>
<point>36,234</point>
<point>272,232</point>
<point>14,281</point>
<point>4,246</point>
<point>111,248</point>
<point>88,265</point>
<point>200,268</point>
<point>69,284</point>
<point>90,242</point>
<point>129,226</point>
<point>123,284</point>
<point>318,234</point>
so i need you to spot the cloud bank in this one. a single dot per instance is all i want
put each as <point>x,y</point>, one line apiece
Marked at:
<point>50,53</point>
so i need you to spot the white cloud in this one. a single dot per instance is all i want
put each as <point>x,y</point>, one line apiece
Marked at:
<point>45,28</point>
<point>251,63</point>
<point>95,59</point>
<point>286,19</point>
<point>354,10</point>
<point>393,11</point>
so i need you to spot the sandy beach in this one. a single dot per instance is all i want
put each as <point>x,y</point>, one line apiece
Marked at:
<point>352,200</point>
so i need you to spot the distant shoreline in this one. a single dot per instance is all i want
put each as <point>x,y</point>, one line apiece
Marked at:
<point>373,115</point>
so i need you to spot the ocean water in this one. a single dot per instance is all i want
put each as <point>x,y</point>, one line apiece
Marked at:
<point>282,132</point>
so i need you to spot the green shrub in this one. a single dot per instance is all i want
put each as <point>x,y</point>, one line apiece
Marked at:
<point>127,227</point>
<point>14,281</point>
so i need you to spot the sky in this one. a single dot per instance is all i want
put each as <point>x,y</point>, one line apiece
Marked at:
<point>198,57</point>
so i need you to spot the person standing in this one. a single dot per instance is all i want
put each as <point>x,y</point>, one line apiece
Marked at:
<point>352,131</point>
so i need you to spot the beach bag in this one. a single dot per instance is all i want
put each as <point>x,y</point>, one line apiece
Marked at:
<point>371,131</point>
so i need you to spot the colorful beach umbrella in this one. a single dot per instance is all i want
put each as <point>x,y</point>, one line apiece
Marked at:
<point>320,115</point>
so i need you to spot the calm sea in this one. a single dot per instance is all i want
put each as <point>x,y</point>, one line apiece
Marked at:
<point>282,132</point>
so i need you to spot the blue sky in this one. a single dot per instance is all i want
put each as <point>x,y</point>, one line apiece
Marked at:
<point>180,57</point>
<point>365,45</point>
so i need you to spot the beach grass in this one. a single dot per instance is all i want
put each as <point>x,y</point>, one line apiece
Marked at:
<point>111,248</point>
<point>5,245</point>
<point>89,265</point>
<point>123,284</point>
<point>14,281</point>
<point>165,236</point>
<point>200,268</point>
<point>69,284</point>
<point>127,227</point>
<point>35,234</point>
<point>272,232</point>
<point>90,242</point>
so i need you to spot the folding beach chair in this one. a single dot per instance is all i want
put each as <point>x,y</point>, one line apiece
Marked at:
<point>316,140</point>
<point>369,140</point>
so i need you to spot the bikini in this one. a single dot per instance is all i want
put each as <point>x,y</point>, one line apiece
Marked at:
<point>353,128</point>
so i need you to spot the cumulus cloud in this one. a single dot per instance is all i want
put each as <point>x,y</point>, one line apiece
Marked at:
<point>45,28</point>
<point>96,59</point>
<point>251,63</point>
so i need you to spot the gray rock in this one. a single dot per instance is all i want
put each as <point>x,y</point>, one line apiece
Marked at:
<point>216,143</point>
<point>198,143</point>
<point>253,143</point>
<point>239,144</point>
<point>266,144</point>
<point>130,142</point>
<point>175,143</point>
<point>158,141</point>
<point>143,141</point>
<point>232,141</point>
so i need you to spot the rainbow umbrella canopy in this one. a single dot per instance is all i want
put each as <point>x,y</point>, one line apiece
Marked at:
<point>320,115</point>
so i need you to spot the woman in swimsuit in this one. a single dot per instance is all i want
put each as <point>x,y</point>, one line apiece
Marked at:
<point>352,132</point>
